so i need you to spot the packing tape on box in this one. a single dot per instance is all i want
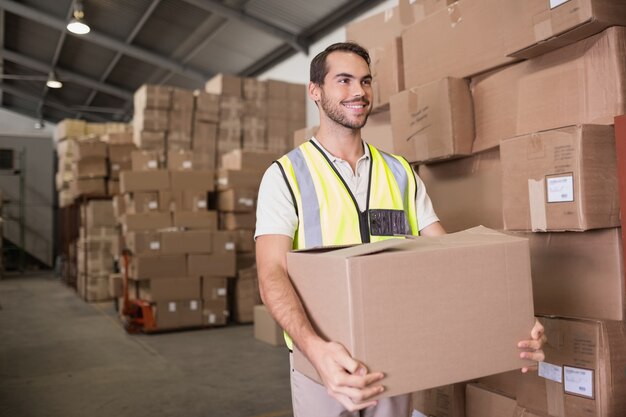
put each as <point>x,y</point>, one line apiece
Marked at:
<point>556,398</point>
<point>542,26</point>
<point>537,202</point>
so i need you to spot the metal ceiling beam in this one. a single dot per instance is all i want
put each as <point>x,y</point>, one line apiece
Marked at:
<point>20,93</point>
<point>216,7</point>
<point>64,74</point>
<point>103,40</point>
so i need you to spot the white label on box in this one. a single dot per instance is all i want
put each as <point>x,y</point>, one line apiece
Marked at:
<point>212,318</point>
<point>556,3</point>
<point>246,201</point>
<point>193,305</point>
<point>201,203</point>
<point>560,189</point>
<point>222,181</point>
<point>153,205</point>
<point>229,246</point>
<point>417,413</point>
<point>187,164</point>
<point>551,372</point>
<point>152,164</point>
<point>115,167</point>
<point>221,291</point>
<point>155,245</point>
<point>578,381</point>
<point>171,307</point>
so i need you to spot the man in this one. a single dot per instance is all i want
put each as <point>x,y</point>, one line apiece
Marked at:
<point>336,189</point>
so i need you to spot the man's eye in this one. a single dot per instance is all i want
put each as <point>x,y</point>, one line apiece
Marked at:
<point>344,81</point>
<point>367,82</point>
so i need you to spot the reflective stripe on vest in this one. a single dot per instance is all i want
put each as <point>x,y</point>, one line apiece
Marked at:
<point>328,213</point>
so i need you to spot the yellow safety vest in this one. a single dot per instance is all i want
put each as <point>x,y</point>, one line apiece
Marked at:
<point>328,213</point>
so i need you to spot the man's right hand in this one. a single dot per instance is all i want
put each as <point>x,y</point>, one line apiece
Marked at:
<point>346,379</point>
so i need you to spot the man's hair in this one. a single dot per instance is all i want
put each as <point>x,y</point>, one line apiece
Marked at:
<point>318,64</point>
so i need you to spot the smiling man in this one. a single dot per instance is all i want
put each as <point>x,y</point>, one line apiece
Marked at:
<point>334,190</point>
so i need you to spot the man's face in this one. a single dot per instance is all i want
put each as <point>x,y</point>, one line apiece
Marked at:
<point>346,95</point>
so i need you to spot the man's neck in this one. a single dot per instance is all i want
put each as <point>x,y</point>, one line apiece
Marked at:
<point>342,142</point>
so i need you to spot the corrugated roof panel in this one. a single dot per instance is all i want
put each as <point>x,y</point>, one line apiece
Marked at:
<point>294,15</point>
<point>29,37</point>
<point>84,57</point>
<point>130,73</point>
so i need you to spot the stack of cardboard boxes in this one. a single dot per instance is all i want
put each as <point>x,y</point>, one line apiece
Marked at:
<point>95,248</point>
<point>508,115</point>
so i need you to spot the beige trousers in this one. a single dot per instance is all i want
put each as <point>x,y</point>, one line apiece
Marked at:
<point>310,399</point>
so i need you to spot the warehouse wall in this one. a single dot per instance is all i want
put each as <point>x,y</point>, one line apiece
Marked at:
<point>17,132</point>
<point>296,68</point>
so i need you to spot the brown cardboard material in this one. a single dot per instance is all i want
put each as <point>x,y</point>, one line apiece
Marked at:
<point>95,129</point>
<point>578,275</point>
<point>120,152</point>
<point>69,128</point>
<point>378,132</point>
<point>562,179</point>
<point>265,327</point>
<point>92,148</point>
<point>146,221</point>
<point>207,107</point>
<point>227,179</point>
<point>151,266</point>
<point>545,27</point>
<point>240,200</point>
<point>195,219</point>
<point>436,119</point>
<point>92,167</point>
<point>151,119</point>
<point>98,213</point>
<point>254,131</point>
<point>192,200</point>
<point>277,90</point>
<point>446,401</point>
<point>296,92</point>
<point>116,167</point>
<point>466,192</point>
<point>180,121</point>
<point>221,262</point>
<point>89,186</point>
<point>237,221</point>
<point>583,373</point>
<point>246,295</point>
<point>182,160</point>
<point>254,89</point>
<point>240,159</point>
<point>113,187</point>
<point>192,180</point>
<point>505,383</point>
<point>118,138</point>
<point>231,108</point>
<point>483,273</point>
<point>146,160</point>
<point>214,289</point>
<point>177,314</point>
<point>164,289</point>
<point>224,84</point>
<point>146,139</point>
<point>143,242</point>
<point>215,313</point>
<point>244,240</point>
<point>133,181</point>
<point>205,138</point>
<point>387,71</point>
<point>191,241</point>
<point>582,83</point>
<point>142,202</point>
<point>182,99</point>
<point>470,38</point>
<point>116,285</point>
<point>480,402</point>
<point>152,97</point>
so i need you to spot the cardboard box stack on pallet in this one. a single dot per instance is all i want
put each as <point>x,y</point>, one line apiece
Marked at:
<point>507,116</point>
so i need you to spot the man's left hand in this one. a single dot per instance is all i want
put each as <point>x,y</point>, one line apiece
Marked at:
<point>531,348</point>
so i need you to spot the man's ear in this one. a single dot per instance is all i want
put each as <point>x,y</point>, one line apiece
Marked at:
<point>314,92</point>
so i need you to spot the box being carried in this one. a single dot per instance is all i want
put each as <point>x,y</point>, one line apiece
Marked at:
<point>418,309</point>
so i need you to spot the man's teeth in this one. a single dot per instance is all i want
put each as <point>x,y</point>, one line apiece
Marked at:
<point>355,106</point>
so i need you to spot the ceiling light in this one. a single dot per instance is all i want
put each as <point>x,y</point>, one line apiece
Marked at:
<point>77,24</point>
<point>53,82</point>
<point>39,124</point>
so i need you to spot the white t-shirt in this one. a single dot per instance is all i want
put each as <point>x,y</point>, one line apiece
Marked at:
<point>276,214</point>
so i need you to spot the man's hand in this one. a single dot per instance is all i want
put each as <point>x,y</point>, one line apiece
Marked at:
<point>346,379</point>
<point>531,348</point>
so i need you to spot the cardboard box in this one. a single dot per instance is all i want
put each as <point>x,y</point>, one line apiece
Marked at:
<point>92,167</point>
<point>231,108</point>
<point>116,167</point>
<point>195,219</point>
<point>133,181</point>
<point>207,107</point>
<point>118,138</point>
<point>237,221</point>
<point>505,383</point>
<point>245,178</point>
<point>244,240</point>
<point>120,152</point>
<point>277,90</point>
<point>164,289</point>
<point>580,83</point>
<point>153,266</point>
<point>177,314</point>
<point>466,192</point>
<point>246,295</point>
<point>254,133</point>
<point>239,159</point>
<point>436,119</point>
<point>387,68</point>
<point>182,99</point>
<point>190,241</point>
<point>480,402</point>
<point>116,285</point>
<point>265,327</point>
<point>89,186</point>
<point>215,313</point>
<point>192,200</point>
<point>142,202</point>
<point>119,206</point>
<point>583,373</point>
<point>146,221</point>
<point>151,119</point>
<point>224,85</point>
<point>222,261</point>
<point>562,179</point>
<point>204,138</point>
<point>92,148</point>
<point>545,26</point>
<point>254,89</point>
<point>146,160</point>
<point>69,128</point>
<point>470,38</point>
<point>152,97</point>
<point>143,242</point>
<point>445,401</point>
<point>180,122</point>
<point>468,276</point>
<point>240,200</point>
<point>192,180</point>
<point>146,139</point>
<point>98,213</point>
<point>181,160</point>
<point>578,275</point>
<point>214,289</point>
<point>378,132</point>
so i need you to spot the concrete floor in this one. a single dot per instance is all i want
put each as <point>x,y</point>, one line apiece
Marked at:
<point>60,356</point>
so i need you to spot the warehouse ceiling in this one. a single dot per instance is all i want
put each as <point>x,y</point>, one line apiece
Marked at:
<point>133,42</point>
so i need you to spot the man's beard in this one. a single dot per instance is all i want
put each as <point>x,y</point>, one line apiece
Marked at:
<point>335,113</point>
